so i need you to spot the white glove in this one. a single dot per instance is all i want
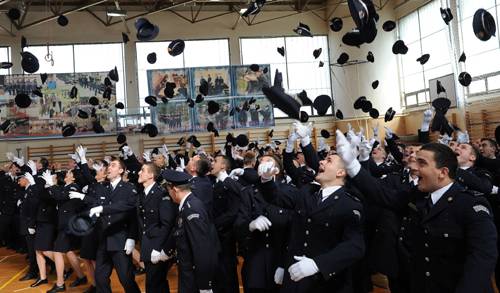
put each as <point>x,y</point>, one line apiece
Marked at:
<point>278,275</point>
<point>290,144</point>
<point>206,291</point>
<point>164,151</point>
<point>426,122</point>
<point>305,267</point>
<point>78,195</point>
<point>32,165</point>
<point>31,231</point>
<point>304,132</point>
<point>163,256</point>
<point>360,134</point>
<point>261,223</point>
<point>375,132</point>
<point>107,159</point>
<point>85,188</point>
<point>364,151</point>
<point>127,152</point>
<point>49,180</point>
<point>345,151</point>
<point>183,164</point>
<point>444,139</point>
<point>19,202</point>
<point>97,167</point>
<point>267,171</point>
<point>19,161</point>
<point>388,133</point>
<point>349,128</point>
<point>155,256</point>
<point>30,178</point>
<point>81,151</point>
<point>494,190</point>
<point>147,156</point>
<point>129,246</point>
<point>322,145</point>
<point>10,156</point>
<point>236,172</point>
<point>75,157</point>
<point>463,137</point>
<point>95,211</point>
<point>222,175</point>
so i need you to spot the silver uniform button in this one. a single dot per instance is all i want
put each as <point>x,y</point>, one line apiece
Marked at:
<point>445,235</point>
<point>427,259</point>
<point>305,244</point>
<point>426,245</point>
<point>307,232</point>
<point>428,274</point>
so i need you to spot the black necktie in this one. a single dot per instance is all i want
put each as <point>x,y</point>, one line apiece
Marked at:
<point>319,197</point>
<point>429,204</point>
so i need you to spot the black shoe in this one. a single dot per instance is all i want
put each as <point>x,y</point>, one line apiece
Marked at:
<point>68,274</point>
<point>91,289</point>
<point>56,288</point>
<point>139,271</point>
<point>78,282</point>
<point>39,282</point>
<point>29,276</point>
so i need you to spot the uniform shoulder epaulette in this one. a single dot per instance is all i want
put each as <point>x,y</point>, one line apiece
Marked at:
<point>473,193</point>
<point>355,198</point>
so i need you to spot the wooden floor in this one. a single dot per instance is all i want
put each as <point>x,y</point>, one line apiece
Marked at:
<point>13,266</point>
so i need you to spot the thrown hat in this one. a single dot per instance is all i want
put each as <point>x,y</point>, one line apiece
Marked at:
<point>107,93</point>
<point>82,114</point>
<point>37,92</point>
<point>389,114</point>
<point>389,26</point>
<point>94,101</point>
<point>374,113</point>
<point>169,89</point>
<point>73,93</point>
<point>441,104</point>
<point>176,177</point>
<point>81,224</point>
<point>199,98</point>
<point>150,129</point>
<point>399,47</point>
<point>423,59</point>
<point>194,140</point>
<point>462,58</point>
<point>121,138</point>
<point>353,38</point>
<point>375,84</point>
<point>321,64</point>
<point>465,79</point>
<point>14,14</point>
<point>336,24</point>
<point>242,140</point>
<point>366,106</point>
<point>151,100</point>
<point>304,117</point>
<point>181,141</point>
<point>113,74</point>
<point>43,77</point>
<point>146,31</point>
<point>190,102</point>
<point>29,62</point>
<point>62,20</point>
<point>68,130</point>
<point>119,105</point>
<point>362,11</point>
<point>97,127</point>
<point>322,103</point>
<point>370,57</point>
<point>325,133</point>
<point>359,102</point>
<point>22,100</point>
<point>281,50</point>
<point>213,107</point>
<point>203,89</point>
<point>5,126</point>
<point>125,38</point>
<point>176,47</point>
<point>271,133</point>
<point>439,87</point>
<point>107,82</point>
<point>343,58</point>
<point>151,58</point>
<point>24,42</point>
<point>211,128</point>
<point>254,67</point>
<point>303,30</point>
<point>6,65</point>
<point>339,114</point>
<point>446,15</point>
<point>483,25</point>
<point>304,99</point>
<point>317,53</point>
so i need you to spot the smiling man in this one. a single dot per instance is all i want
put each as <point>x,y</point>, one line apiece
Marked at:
<point>454,237</point>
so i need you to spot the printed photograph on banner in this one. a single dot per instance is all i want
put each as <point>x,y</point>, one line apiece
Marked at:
<point>249,82</point>
<point>53,104</point>
<point>173,116</point>
<point>221,119</point>
<point>253,111</point>
<point>217,78</point>
<point>158,79</point>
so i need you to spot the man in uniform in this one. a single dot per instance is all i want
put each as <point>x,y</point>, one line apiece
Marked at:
<point>195,237</point>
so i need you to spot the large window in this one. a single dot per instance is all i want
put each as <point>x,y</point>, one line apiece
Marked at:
<point>4,57</point>
<point>299,68</point>
<point>424,32</point>
<point>482,57</point>
<point>197,53</point>
<point>83,58</point>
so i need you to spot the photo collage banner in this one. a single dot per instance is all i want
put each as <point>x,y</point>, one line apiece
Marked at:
<point>236,89</point>
<point>46,115</point>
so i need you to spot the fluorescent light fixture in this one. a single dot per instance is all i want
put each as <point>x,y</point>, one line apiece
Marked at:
<point>116,12</point>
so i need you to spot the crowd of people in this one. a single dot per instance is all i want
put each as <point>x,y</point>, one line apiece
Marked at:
<point>415,217</point>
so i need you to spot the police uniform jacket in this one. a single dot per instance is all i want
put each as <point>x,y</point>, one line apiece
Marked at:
<point>300,175</point>
<point>117,221</point>
<point>329,231</point>
<point>9,191</point>
<point>197,247</point>
<point>66,207</point>
<point>249,177</point>
<point>475,179</point>
<point>156,215</point>
<point>454,241</point>
<point>202,188</point>
<point>226,206</point>
<point>28,209</point>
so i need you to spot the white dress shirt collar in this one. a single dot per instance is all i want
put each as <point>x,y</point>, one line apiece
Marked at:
<point>327,191</point>
<point>436,195</point>
<point>148,189</point>
<point>182,201</point>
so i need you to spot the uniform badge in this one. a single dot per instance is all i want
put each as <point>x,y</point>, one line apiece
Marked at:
<point>193,216</point>
<point>480,208</point>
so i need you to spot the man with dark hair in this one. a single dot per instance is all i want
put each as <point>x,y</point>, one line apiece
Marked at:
<point>468,174</point>
<point>195,237</point>
<point>488,148</point>
<point>198,167</point>
<point>454,238</point>
<point>117,230</point>
<point>247,175</point>
<point>156,215</point>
